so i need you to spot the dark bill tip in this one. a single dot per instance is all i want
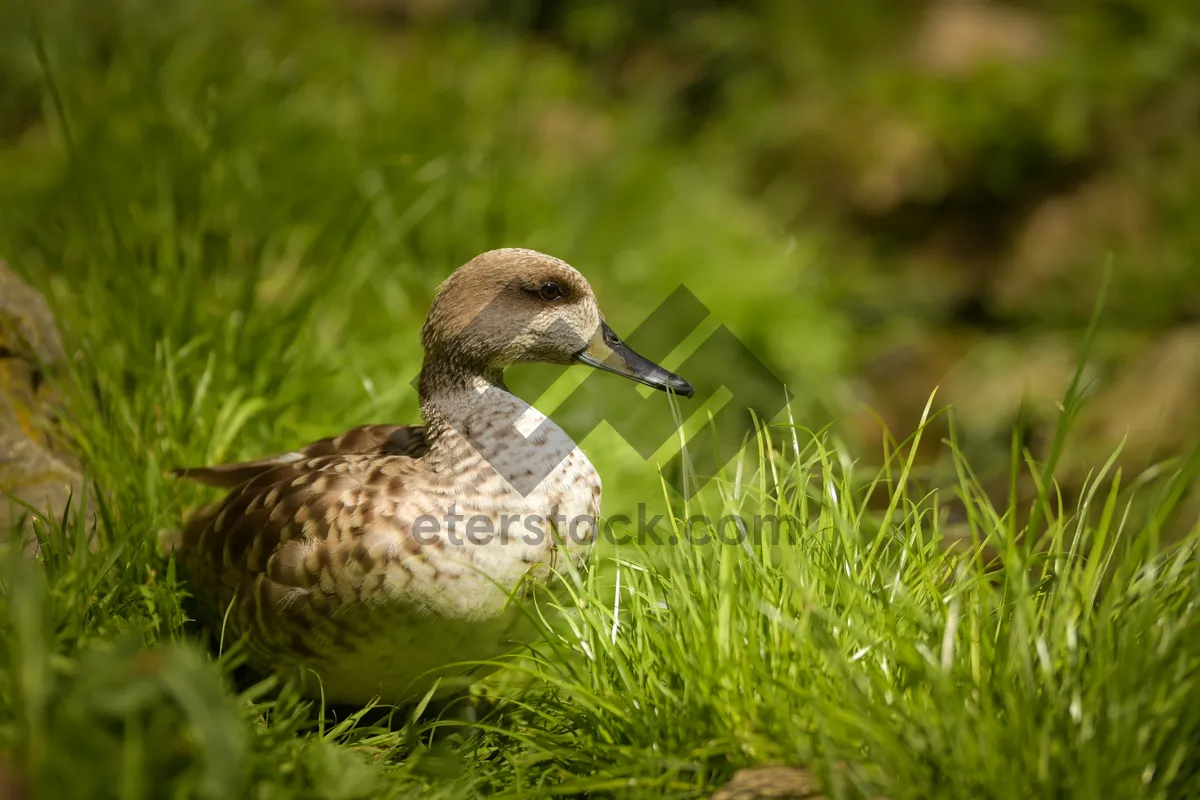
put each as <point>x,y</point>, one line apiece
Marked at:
<point>609,353</point>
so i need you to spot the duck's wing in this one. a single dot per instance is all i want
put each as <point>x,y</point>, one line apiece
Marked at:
<point>391,440</point>
<point>291,543</point>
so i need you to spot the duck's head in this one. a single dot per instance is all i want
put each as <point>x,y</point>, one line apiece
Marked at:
<point>513,306</point>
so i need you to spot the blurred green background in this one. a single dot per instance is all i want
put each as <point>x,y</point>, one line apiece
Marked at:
<point>877,197</point>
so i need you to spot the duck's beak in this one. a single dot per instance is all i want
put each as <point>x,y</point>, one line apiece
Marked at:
<point>605,351</point>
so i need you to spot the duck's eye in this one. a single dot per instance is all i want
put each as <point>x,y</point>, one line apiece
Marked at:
<point>550,292</point>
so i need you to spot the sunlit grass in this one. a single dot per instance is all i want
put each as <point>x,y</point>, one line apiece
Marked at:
<point>855,646</point>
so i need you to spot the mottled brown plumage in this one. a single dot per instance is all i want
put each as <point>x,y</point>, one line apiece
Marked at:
<point>358,565</point>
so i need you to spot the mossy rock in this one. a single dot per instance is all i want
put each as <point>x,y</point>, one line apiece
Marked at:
<point>771,783</point>
<point>35,473</point>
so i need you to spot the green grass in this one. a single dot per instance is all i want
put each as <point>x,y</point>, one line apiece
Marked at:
<point>239,219</point>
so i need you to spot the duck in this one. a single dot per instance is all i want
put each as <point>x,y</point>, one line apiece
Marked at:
<point>390,563</point>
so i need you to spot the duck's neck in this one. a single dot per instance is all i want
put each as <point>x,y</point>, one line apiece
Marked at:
<point>456,400</point>
<point>471,415</point>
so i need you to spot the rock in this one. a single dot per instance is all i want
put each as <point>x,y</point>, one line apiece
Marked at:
<point>1001,376</point>
<point>26,325</point>
<point>771,783</point>
<point>32,467</point>
<point>1150,403</point>
<point>959,36</point>
<point>866,160</point>
<point>897,163</point>
<point>1056,261</point>
<point>989,380</point>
